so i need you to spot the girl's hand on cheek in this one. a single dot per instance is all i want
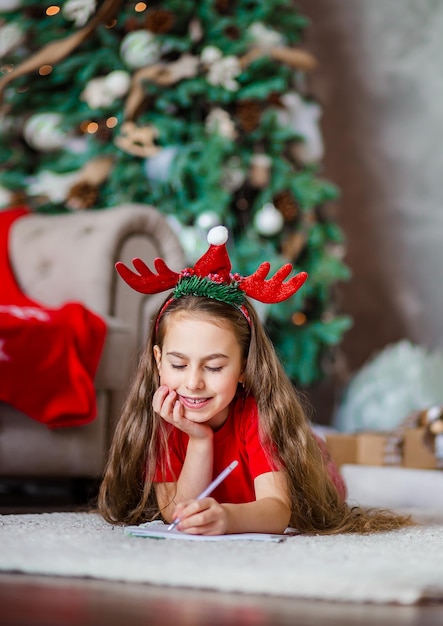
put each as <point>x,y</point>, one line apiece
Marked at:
<point>201,517</point>
<point>165,402</point>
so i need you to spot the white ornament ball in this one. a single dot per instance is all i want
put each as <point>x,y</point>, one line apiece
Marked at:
<point>193,244</point>
<point>11,36</point>
<point>207,220</point>
<point>140,48</point>
<point>10,5</point>
<point>233,176</point>
<point>42,131</point>
<point>118,82</point>
<point>268,221</point>
<point>5,197</point>
<point>218,235</point>
<point>158,166</point>
<point>210,54</point>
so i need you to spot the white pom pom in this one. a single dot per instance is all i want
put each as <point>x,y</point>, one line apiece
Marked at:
<point>218,235</point>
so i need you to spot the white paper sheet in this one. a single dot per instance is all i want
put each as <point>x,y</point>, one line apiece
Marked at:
<point>155,530</point>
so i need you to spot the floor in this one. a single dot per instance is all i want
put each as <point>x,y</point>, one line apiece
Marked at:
<point>46,601</point>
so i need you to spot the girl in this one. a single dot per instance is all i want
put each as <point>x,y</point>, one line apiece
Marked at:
<point>209,390</point>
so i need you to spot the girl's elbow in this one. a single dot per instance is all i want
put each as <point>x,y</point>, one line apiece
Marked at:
<point>282,518</point>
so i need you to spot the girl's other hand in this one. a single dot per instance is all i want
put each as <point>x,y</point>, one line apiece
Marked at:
<point>166,404</point>
<point>201,517</point>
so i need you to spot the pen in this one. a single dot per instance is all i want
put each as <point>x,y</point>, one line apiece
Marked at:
<point>210,488</point>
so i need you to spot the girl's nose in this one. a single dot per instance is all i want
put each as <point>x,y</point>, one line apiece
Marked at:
<point>194,379</point>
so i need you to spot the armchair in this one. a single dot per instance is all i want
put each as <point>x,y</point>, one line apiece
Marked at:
<point>70,257</point>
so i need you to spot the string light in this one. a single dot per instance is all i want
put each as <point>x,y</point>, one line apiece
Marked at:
<point>140,7</point>
<point>298,318</point>
<point>52,10</point>
<point>44,70</point>
<point>111,122</point>
<point>89,126</point>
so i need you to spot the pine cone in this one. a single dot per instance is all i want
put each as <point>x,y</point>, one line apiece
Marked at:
<point>18,198</point>
<point>159,21</point>
<point>285,203</point>
<point>131,24</point>
<point>274,99</point>
<point>223,6</point>
<point>248,114</point>
<point>232,32</point>
<point>82,195</point>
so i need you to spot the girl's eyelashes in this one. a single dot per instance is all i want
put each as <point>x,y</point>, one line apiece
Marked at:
<point>210,369</point>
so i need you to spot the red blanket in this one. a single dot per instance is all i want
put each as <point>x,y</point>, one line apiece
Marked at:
<point>48,357</point>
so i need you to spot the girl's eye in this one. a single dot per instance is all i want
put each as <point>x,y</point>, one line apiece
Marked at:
<point>210,369</point>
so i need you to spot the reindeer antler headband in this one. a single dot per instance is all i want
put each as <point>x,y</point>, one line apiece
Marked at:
<point>211,278</point>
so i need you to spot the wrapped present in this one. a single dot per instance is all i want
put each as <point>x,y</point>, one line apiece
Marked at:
<point>416,443</point>
<point>359,448</point>
<point>416,453</point>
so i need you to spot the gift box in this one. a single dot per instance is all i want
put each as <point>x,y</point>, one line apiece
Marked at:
<point>417,452</point>
<point>413,447</point>
<point>366,448</point>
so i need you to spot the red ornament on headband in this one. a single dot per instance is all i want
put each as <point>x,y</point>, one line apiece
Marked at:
<point>211,277</point>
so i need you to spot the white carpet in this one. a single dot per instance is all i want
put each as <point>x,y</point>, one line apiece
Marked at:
<point>400,567</point>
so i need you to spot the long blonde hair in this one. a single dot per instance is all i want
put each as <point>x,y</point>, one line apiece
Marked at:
<point>126,493</point>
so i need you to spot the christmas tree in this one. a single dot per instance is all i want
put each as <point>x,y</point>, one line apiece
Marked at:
<point>201,109</point>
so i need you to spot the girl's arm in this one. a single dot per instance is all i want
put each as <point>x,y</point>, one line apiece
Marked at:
<point>195,476</point>
<point>269,513</point>
<point>196,472</point>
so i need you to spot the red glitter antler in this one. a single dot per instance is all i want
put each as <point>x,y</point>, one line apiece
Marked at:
<point>215,266</point>
<point>146,281</point>
<point>274,289</point>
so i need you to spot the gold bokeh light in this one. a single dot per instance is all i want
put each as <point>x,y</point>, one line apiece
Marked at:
<point>298,318</point>
<point>52,10</point>
<point>44,70</point>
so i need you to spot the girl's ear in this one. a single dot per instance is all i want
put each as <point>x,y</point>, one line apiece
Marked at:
<point>158,358</point>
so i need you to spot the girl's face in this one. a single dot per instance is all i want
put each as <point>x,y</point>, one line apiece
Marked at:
<point>203,363</point>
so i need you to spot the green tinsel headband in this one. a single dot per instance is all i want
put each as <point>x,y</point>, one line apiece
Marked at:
<point>211,278</point>
<point>190,284</point>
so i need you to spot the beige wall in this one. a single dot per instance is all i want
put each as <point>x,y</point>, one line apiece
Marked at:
<point>380,82</point>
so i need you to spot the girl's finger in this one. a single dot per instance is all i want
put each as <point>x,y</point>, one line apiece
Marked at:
<point>159,397</point>
<point>177,411</point>
<point>168,404</point>
<point>184,510</point>
<point>165,405</point>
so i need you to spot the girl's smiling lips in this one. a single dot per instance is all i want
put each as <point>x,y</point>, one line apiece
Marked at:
<point>194,403</point>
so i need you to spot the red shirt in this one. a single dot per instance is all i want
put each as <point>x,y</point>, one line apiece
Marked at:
<point>237,440</point>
